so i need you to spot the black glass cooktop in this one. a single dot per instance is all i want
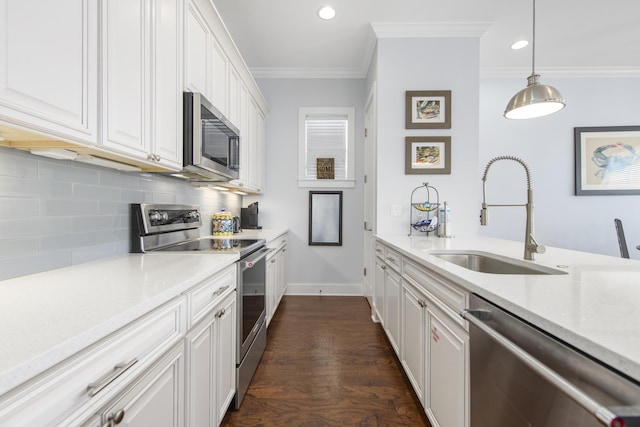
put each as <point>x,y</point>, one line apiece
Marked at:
<point>217,244</point>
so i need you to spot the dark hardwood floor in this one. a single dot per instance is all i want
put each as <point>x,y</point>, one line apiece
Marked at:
<point>327,364</point>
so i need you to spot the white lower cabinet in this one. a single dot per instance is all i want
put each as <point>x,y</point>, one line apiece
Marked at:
<point>211,352</point>
<point>447,370</point>
<point>155,399</point>
<point>414,325</point>
<point>276,282</point>
<point>392,288</point>
<point>421,322</point>
<point>378,290</point>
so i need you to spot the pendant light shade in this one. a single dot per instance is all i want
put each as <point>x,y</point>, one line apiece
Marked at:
<point>536,100</point>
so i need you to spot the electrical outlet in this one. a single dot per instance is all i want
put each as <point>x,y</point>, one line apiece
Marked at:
<point>396,210</point>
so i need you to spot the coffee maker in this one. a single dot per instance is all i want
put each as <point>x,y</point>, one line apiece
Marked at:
<point>249,217</point>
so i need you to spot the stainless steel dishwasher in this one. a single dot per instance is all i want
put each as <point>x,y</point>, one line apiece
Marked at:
<point>521,376</point>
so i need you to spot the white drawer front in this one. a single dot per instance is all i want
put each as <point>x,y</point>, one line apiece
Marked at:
<point>106,365</point>
<point>379,249</point>
<point>451,296</point>
<point>393,259</point>
<point>207,294</point>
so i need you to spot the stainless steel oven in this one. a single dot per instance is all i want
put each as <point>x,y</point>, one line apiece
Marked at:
<point>521,376</point>
<point>175,228</point>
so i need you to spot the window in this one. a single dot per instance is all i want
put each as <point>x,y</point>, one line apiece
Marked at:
<point>326,133</point>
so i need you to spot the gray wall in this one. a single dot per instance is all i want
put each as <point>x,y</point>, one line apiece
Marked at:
<point>427,64</point>
<point>563,220</point>
<point>332,269</point>
<point>56,213</point>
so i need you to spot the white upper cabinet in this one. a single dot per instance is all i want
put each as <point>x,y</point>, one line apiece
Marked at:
<point>141,80</point>
<point>219,78</point>
<point>48,67</point>
<point>196,51</point>
<point>166,121</point>
<point>233,106</point>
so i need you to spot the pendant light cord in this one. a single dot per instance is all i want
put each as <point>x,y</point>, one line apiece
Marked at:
<point>533,44</point>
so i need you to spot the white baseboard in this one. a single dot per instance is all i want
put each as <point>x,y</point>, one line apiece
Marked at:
<point>329,289</point>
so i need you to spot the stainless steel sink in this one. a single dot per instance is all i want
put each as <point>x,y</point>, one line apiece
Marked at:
<point>485,262</point>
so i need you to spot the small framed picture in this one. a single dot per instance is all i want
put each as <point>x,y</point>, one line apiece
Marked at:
<point>429,109</point>
<point>607,160</point>
<point>427,155</point>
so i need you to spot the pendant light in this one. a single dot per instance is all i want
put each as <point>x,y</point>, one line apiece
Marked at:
<point>536,100</point>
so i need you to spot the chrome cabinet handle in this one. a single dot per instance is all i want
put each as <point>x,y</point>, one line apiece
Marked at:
<point>384,267</point>
<point>114,418</point>
<point>391,259</point>
<point>220,313</point>
<point>602,413</point>
<point>220,291</point>
<point>119,369</point>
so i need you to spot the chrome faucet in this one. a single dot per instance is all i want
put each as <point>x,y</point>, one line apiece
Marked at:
<point>531,247</point>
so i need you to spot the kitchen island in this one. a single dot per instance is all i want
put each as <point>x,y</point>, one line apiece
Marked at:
<point>593,307</point>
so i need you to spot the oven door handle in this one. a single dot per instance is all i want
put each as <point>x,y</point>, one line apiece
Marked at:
<point>605,415</point>
<point>251,260</point>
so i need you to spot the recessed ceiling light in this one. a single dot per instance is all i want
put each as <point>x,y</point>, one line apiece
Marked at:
<point>519,44</point>
<point>327,12</point>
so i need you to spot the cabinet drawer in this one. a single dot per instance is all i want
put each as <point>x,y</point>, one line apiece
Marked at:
<point>446,293</point>
<point>202,297</point>
<point>94,375</point>
<point>379,249</point>
<point>393,259</point>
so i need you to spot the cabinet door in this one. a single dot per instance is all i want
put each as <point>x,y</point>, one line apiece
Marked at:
<point>166,135</point>
<point>233,113</point>
<point>413,338</point>
<point>156,399</point>
<point>219,78</point>
<point>245,136</point>
<point>48,66</point>
<point>378,290</point>
<point>196,51</point>
<point>125,92</point>
<point>225,356</point>
<point>201,392</point>
<point>392,287</point>
<point>271,287</point>
<point>448,373</point>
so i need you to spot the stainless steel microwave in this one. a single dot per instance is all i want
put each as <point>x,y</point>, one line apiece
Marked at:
<point>211,142</point>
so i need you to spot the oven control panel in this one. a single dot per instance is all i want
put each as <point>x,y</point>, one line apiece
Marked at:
<point>163,217</point>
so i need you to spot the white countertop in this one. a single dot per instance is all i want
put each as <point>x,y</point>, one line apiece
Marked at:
<point>49,316</point>
<point>594,307</point>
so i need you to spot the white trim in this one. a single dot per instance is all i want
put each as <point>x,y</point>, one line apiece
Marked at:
<point>326,183</point>
<point>524,72</point>
<point>351,143</point>
<point>326,289</point>
<point>306,73</point>
<point>429,29</point>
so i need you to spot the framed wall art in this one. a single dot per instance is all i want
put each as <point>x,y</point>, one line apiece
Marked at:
<point>427,155</point>
<point>430,109</point>
<point>607,160</point>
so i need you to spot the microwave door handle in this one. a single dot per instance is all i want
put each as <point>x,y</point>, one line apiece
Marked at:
<point>234,147</point>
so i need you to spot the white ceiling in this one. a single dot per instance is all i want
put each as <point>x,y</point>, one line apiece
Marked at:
<point>280,38</point>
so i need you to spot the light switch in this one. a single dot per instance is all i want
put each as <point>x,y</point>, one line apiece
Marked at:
<point>396,210</point>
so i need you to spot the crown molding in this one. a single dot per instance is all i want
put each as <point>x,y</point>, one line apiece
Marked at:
<point>306,73</point>
<point>524,72</point>
<point>429,29</point>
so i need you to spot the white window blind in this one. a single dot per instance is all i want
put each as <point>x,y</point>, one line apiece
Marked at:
<point>326,137</point>
<point>326,133</point>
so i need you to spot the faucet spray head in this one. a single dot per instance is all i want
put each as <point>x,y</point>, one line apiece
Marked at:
<point>484,215</point>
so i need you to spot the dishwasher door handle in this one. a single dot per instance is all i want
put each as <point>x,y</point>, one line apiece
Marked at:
<point>605,415</point>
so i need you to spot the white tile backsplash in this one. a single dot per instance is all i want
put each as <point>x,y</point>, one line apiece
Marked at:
<point>56,213</point>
